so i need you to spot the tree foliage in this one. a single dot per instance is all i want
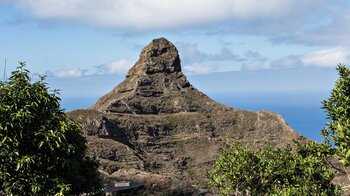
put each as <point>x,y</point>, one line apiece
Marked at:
<point>337,131</point>
<point>41,151</point>
<point>241,170</point>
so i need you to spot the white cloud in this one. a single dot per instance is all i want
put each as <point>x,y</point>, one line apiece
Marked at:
<point>331,32</point>
<point>165,14</point>
<point>251,54</point>
<point>189,53</point>
<point>288,62</point>
<point>67,73</point>
<point>119,67</point>
<point>254,65</point>
<point>225,54</point>
<point>322,58</point>
<point>199,69</point>
<point>327,58</point>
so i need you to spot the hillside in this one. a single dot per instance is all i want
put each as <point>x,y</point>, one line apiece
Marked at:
<point>156,128</point>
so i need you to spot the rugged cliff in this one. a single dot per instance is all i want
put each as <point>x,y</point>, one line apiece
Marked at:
<point>156,128</point>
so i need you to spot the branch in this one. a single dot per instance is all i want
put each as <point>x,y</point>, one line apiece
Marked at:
<point>334,167</point>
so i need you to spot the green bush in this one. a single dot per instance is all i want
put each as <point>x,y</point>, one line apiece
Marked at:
<point>41,152</point>
<point>241,170</point>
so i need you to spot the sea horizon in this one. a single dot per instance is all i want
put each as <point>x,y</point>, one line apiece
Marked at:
<point>301,110</point>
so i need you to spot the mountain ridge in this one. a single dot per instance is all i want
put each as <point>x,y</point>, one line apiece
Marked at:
<point>156,128</point>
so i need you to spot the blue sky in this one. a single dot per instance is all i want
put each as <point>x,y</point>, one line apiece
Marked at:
<point>85,46</point>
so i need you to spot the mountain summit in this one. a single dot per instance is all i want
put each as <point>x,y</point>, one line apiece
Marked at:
<point>160,56</point>
<point>157,129</point>
<point>156,85</point>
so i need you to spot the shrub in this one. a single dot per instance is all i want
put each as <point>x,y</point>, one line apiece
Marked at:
<point>241,170</point>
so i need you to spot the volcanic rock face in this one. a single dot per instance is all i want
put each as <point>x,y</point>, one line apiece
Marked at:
<point>156,128</point>
<point>156,85</point>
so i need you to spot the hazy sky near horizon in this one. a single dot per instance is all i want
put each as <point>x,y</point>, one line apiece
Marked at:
<point>75,41</point>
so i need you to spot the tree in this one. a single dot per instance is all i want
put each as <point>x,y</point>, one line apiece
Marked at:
<point>337,131</point>
<point>41,151</point>
<point>241,170</point>
<point>282,172</point>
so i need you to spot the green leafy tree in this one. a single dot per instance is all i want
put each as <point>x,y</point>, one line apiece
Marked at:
<point>41,151</point>
<point>241,170</point>
<point>337,131</point>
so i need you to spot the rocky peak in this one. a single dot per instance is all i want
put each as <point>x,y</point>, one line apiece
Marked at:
<point>160,56</point>
<point>156,84</point>
<point>156,128</point>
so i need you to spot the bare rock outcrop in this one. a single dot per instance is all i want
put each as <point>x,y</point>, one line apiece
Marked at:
<point>156,85</point>
<point>156,128</point>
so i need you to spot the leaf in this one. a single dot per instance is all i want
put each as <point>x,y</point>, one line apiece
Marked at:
<point>4,139</point>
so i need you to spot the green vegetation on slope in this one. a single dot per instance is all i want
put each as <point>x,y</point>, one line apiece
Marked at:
<point>242,170</point>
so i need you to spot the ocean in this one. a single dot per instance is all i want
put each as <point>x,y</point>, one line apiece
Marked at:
<point>301,110</point>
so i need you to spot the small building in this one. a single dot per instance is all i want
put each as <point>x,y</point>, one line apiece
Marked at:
<point>120,188</point>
